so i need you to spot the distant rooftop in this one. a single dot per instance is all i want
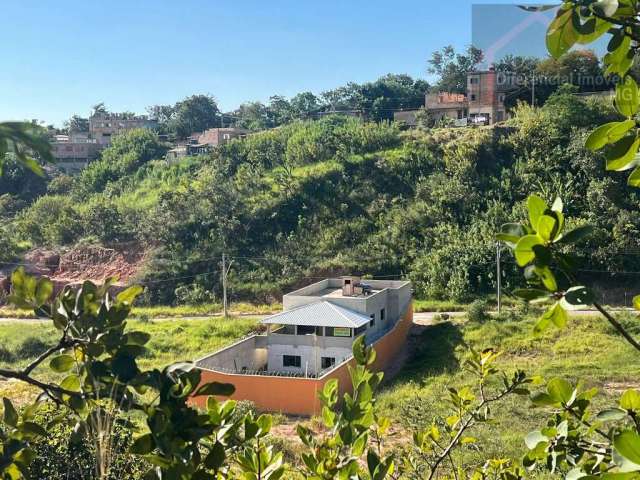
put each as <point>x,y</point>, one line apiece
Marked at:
<point>320,314</point>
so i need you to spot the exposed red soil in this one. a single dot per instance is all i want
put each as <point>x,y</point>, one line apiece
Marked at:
<point>88,262</point>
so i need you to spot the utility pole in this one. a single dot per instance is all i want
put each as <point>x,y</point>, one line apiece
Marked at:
<point>498,278</point>
<point>533,91</point>
<point>224,285</point>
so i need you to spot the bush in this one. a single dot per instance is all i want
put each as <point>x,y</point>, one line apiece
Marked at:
<point>194,294</point>
<point>242,408</point>
<point>477,311</point>
<point>59,457</point>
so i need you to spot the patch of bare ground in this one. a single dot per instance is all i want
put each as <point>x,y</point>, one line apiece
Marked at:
<point>619,387</point>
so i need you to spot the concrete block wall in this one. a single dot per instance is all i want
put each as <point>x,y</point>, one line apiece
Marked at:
<point>299,396</point>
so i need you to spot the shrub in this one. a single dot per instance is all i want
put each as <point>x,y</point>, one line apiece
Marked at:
<point>62,456</point>
<point>477,311</point>
<point>194,294</point>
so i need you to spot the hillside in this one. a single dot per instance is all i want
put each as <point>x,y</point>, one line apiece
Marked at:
<point>336,195</point>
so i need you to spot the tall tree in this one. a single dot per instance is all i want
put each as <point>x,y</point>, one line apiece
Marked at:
<point>280,109</point>
<point>77,124</point>
<point>304,105</point>
<point>99,109</point>
<point>194,114</point>
<point>378,100</point>
<point>253,116</point>
<point>451,68</point>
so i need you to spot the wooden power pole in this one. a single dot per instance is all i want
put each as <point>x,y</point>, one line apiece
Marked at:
<point>224,285</point>
<point>225,274</point>
<point>498,277</point>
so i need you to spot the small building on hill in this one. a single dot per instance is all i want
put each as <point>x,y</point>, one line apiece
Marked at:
<point>483,103</point>
<point>202,142</point>
<point>310,342</point>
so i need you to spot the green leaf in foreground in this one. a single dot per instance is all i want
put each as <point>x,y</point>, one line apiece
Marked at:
<point>627,98</point>
<point>524,249</point>
<point>555,314</point>
<point>10,415</point>
<point>623,154</point>
<point>627,444</point>
<point>536,207</point>
<point>608,133</point>
<point>215,388</point>
<point>62,363</point>
<point>561,391</point>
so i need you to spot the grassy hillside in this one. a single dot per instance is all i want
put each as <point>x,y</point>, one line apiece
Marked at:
<point>588,349</point>
<point>334,196</point>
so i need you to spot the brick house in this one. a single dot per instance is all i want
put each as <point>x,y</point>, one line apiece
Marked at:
<point>482,104</point>
<point>203,142</point>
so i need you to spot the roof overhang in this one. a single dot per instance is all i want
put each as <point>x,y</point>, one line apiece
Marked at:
<point>319,314</point>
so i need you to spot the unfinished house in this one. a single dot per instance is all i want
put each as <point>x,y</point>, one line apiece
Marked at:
<point>311,340</point>
<point>103,126</point>
<point>483,103</point>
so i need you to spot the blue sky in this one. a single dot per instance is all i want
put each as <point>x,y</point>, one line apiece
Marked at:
<point>60,58</point>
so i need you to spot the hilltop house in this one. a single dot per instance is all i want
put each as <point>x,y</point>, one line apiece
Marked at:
<point>203,142</point>
<point>311,340</point>
<point>103,126</point>
<point>72,152</point>
<point>483,103</point>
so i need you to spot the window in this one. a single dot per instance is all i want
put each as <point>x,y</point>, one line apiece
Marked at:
<point>226,136</point>
<point>500,116</point>
<point>291,361</point>
<point>474,80</point>
<point>473,97</point>
<point>501,98</point>
<point>327,362</point>
<point>306,330</point>
<point>372,322</point>
<point>382,312</point>
<point>360,330</point>
<point>459,114</point>
<point>337,332</point>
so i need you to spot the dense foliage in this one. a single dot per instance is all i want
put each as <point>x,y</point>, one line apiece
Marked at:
<point>340,195</point>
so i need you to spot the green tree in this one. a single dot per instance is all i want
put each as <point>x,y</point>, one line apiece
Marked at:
<point>127,152</point>
<point>194,114</point>
<point>378,100</point>
<point>77,124</point>
<point>452,68</point>
<point>253,116</point>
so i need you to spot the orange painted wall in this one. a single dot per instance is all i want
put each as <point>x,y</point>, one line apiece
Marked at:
<point>298,396</point>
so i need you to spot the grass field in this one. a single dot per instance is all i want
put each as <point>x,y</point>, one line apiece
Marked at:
<point>171,341</point>
<point>160,311</point>
<point>588,349</point>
